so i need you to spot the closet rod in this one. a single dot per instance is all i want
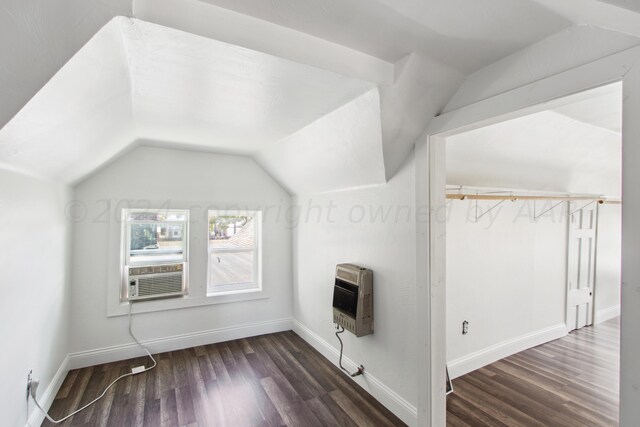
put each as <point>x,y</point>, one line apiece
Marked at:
<point>458,196</point>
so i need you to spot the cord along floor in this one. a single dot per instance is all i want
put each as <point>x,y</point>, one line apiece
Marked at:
<point>270,380</point>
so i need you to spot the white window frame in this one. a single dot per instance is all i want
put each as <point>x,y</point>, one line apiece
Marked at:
<point>237,288</point>
<point>126,242</point>
<point>197,256</point>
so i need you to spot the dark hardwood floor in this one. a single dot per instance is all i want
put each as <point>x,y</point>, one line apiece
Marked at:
<point>270,380</point>
<point>572,381</point>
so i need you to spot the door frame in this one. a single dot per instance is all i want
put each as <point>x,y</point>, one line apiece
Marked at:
<point>430,158</point>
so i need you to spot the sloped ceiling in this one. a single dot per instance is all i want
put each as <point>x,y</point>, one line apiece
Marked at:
<point>342,145</point>
<point>601,107</point>
<point>414,55</point>
<point>79,119</point>
<point>140,81</point>
<point>574,148</point>
<point>38,37</point>
<point>198,90</point>
<point>464,35</point>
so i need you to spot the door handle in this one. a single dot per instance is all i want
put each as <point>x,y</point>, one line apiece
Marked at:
<point>590,293</point>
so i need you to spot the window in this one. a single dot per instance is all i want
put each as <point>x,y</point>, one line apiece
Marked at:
<point>155,248</point>
<point>234,252</point>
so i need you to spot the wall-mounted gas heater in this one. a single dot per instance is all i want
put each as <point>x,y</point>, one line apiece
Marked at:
<point>156,281</point>
<point>353,299</point>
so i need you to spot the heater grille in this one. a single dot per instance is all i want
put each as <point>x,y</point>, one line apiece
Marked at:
<point>349,276</point>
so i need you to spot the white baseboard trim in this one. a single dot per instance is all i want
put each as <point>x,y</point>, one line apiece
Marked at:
<point>486,356</point>
<point>45,399</point>
<point>127,351</point>
<point>607,314</point>
<point>387,397</point>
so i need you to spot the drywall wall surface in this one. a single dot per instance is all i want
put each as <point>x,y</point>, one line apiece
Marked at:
<point>34,321</point>
<point>560,52</point>
<point>155,178</point>
<point>608,261</point>
<point>373,227</point>
<point>506,274</point>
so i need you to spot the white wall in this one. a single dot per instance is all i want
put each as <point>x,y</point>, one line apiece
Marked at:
<point>608,262</point>
<point>34,254</point>
<point>179,178</point>
<point>506,276</point>
<point>339,227</point>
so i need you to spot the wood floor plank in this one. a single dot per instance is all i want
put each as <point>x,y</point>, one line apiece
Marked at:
<point>321,412</point>
<point>468,412</point>
<point>168,408</point>
<point>572,381</point>
<point>292,412</point>
<point>338,413</point>
<point>354,411</point>
<point>377,412</point>
<point>152,413</point>
<point>493,405</point>
<point>290,372</point>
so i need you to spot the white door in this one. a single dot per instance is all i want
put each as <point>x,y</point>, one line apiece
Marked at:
<point>581,265</point>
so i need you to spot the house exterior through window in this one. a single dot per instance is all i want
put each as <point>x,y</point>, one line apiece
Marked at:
<point>234,252</point>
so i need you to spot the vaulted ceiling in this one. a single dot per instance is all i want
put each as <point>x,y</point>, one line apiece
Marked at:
<point>324,95</point>
<point>136,82</point>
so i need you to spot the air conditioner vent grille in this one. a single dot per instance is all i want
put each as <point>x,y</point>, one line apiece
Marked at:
<point>162,284</point>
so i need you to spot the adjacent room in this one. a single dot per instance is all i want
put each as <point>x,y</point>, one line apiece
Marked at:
<point>277,213</point>
<point>533,264</point>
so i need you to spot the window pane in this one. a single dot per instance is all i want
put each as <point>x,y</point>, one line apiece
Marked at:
<point>228,268</point>
<point>231,232</point>
<point>156,242</point>
<point>232,255</point>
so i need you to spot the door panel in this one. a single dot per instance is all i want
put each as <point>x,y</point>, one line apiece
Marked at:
<point>581,265</point>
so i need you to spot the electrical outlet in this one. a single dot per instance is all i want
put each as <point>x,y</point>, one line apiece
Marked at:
<point>465,327</point>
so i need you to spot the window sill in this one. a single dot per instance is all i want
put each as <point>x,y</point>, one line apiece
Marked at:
<point>239,289</point>
<point>122,309</point>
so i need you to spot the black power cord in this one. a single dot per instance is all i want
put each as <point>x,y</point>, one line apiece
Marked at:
<point>360,370</point>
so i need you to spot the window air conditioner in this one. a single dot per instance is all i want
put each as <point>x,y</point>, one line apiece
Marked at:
<point>157,281</point>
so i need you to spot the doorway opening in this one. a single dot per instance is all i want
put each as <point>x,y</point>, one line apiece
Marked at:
<point>533,237</point>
